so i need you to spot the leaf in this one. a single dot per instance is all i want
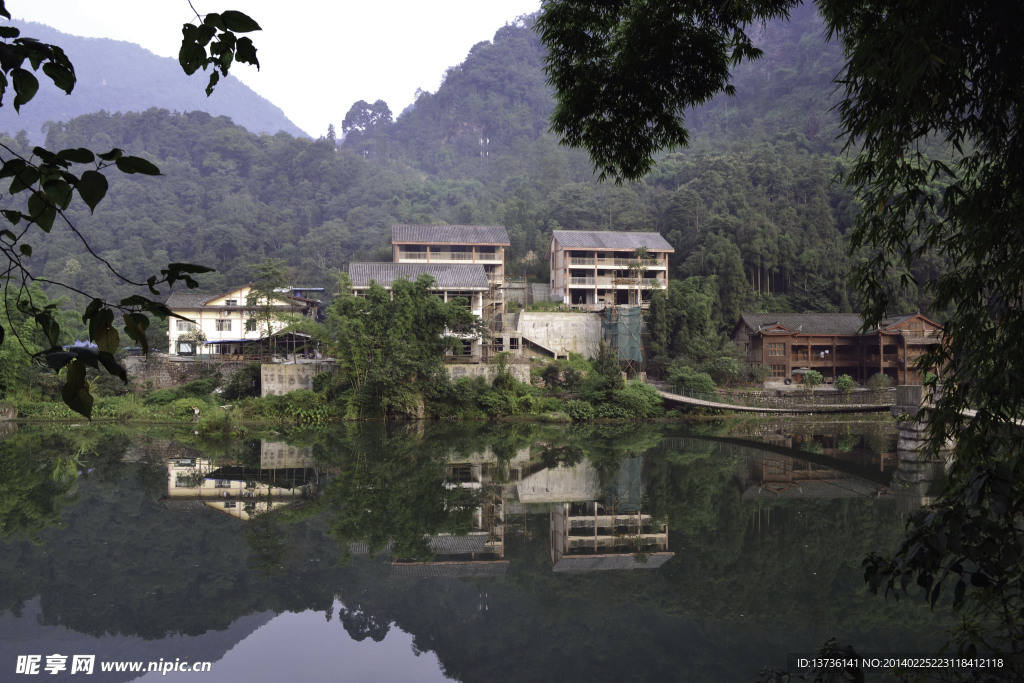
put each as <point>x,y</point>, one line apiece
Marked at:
<point>135,325</point>
<point>239,22</point>
<point>59,192</point>
<point>112,155</point>
<point>76,390</point>
<point>92,187</point>
<point>49,326</point>
<point>25,249</point>
<point>191,57</point>
<point>62,76</point>
<point>41,212</point>
<point>77,155</point>
<point>58,359</point>
<point>102,331</point>
<point>12,167</point>
<point>245,52</point>
<point>25,87</point>
<point>112,366</point>
<point>137,165</point>
<point>24,178</point>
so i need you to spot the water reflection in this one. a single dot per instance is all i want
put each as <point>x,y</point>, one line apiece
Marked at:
<point>284,476</point>
<point>467,538</point>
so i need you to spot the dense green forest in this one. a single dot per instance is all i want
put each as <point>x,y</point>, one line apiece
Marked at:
<point>750,204</point>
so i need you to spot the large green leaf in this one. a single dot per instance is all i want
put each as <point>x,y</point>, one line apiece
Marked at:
<point>76,390</point>
<point>92,187</point>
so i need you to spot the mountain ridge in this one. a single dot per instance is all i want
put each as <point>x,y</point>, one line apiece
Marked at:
<point>120,76</point>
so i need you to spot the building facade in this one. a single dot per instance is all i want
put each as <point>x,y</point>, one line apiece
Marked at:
<point>789,344</point>
<point>594,269</point>
<point>225,325</point>
<point>452,245</point>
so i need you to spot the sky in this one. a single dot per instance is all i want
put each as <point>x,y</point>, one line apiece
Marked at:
<point>316,58</point>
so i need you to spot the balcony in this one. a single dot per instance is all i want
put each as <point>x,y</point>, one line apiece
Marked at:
<point>445,256</point>
<point>649,264</point>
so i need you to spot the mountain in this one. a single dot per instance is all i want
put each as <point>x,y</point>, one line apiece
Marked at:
<point>117,76</point>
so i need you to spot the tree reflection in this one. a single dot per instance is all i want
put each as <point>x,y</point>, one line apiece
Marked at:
<point>390,494</point>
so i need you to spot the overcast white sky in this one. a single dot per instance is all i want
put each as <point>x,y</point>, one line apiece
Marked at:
<point>316,58</point>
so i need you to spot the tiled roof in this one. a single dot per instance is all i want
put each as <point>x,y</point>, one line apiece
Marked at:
<point>178,301</point>
<point>815,323</point>
<point>617,241</point>
<point>447,276</point>
<point>418,570</point>
<point>449,234</point>
<point>595,563</point>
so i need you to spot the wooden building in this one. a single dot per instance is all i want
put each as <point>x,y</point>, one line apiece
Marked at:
<point>786,344</point>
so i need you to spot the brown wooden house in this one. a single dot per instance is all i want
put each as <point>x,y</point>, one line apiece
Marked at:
<point>833,344</point>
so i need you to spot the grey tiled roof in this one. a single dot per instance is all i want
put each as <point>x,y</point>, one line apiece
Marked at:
<point>448,544</point>
<point>617,241</point>
<point>418,570</point>
<point>816,323</point>
<point>597,563</point>
<point>449,234</point>
<point>178,301</point>
<point>447,276</point>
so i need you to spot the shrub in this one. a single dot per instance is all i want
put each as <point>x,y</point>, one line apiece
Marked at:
<point>247,381</point>
<point>552,376</point>
<point>691,381</point>
<point>879,380</point>
<point>812,378</point>
<point>579,411</point>
<point>638,401</point>
<point>845,383</point>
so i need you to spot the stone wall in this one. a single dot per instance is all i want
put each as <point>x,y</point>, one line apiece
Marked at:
<point>158,371</point>
<point>281,378</point>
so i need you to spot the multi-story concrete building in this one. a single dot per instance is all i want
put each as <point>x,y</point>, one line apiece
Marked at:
<point>595,269</point>
<point>452,245</point>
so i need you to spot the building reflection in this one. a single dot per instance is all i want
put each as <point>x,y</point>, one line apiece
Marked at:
<point>283,477</point>
<point>598,520</point>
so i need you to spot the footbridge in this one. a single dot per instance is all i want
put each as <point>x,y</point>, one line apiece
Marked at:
<point>717,403</point>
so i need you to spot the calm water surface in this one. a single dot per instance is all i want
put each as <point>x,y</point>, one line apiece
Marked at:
<point>494,552</point>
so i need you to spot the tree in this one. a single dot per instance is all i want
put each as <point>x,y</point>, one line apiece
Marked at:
<point>267,293</point>
<point>44,183</point>
<point>389,345</point>
<point>625,72</point>
<point>930,108</point>
<point>363,117</point>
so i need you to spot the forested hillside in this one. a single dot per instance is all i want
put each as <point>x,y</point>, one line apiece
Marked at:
<point>750,203</point>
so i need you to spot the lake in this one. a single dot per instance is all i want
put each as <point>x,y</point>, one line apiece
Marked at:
<point>471,552</point>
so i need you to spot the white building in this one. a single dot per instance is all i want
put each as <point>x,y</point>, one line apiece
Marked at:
<point>597,268</point>
<point>223,324</point>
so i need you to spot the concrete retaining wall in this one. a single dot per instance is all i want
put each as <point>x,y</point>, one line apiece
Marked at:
<point>521,371</point>
<point>563,333</point>
<point>281,378</point>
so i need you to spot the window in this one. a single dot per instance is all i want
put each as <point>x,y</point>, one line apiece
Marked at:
<point>184,325</point>
<point>250,325</point>
<point>223,325</point>
<point>776,348</point>
<point>222,484</point>
<point>231,302</point>
<point>513,343</point>
<point>778,370</point>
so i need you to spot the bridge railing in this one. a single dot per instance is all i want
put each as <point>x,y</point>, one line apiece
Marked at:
<point>781,399</point>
